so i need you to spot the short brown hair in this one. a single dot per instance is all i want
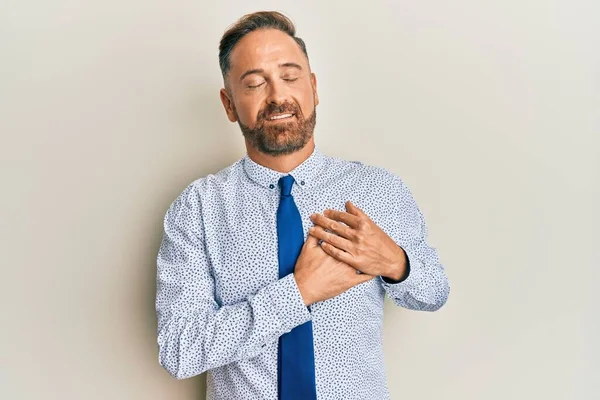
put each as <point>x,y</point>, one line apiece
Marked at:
<point>252,22</point>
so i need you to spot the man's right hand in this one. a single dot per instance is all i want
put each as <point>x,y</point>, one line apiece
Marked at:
<point>320,276</point>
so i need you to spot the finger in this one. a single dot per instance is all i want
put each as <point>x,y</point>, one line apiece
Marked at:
<point>338,254</point>
<point>352,209</point>
<point>342,216</point>
<point>318,231</point>
<point>312,241</point>
<point>331,238</point>
<point>334,226</point>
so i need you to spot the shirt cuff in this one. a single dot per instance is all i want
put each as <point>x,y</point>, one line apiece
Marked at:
<point>288,303</point>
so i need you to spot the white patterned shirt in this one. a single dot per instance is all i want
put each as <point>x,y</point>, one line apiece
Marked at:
<point>221,306</point>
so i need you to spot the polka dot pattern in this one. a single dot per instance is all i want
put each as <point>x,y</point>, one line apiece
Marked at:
<point>221,307</point>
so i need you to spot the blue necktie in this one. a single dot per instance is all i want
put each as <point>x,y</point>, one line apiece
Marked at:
<point>296,359</point>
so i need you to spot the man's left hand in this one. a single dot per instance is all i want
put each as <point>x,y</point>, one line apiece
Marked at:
<point>356,240</point>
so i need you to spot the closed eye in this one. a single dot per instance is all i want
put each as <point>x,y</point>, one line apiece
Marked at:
<point>255,86</point>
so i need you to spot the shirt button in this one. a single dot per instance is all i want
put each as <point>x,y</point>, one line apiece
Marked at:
<point>271,186</point>
<point>302,182</point>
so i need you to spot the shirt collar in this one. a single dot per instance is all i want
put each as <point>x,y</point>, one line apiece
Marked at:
<point>305,174</point>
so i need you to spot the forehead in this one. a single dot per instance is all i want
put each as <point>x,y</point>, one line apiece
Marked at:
<point>265,48</point>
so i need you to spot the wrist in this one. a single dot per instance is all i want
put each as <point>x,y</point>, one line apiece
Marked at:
<point>397,270</point>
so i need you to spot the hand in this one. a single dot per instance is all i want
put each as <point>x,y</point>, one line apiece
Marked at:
<point>320,276</point>
<point>357,241</point>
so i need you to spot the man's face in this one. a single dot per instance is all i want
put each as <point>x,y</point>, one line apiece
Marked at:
<point>271,92</point>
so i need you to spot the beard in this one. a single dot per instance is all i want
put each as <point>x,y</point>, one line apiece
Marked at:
<point>280,138</point>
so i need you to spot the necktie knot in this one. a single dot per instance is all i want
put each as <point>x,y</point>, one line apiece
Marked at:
<point>285,183</point>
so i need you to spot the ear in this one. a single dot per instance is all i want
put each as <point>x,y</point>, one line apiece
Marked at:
<point>228,105</point>
<point>313,80</point>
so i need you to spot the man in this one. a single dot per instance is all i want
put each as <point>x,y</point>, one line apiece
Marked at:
<point>272,272</point>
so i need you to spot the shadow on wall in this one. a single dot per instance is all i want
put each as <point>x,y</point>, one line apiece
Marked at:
<point>218,143</point>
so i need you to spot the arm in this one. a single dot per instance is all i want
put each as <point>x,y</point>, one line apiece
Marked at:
<point>195,333</point>
<point>424,286</point>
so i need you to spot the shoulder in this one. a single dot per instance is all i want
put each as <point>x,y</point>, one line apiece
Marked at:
<point>378,176</point>
<point>355,168</point>
<point>202,188</point>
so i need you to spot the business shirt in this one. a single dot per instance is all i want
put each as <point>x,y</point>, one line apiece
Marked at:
<point>221,306</point>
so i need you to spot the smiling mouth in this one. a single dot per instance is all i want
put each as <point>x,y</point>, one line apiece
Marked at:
<point>280,117</point>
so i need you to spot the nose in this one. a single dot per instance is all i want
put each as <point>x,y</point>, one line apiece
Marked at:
<point>277,94</point>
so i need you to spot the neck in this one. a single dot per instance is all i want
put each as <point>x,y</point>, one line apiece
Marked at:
<point>281,163</point>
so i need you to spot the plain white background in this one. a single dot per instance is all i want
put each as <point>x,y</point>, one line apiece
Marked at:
<point>487,109</point>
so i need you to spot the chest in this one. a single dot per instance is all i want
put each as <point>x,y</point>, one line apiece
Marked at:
<point>241,239</point>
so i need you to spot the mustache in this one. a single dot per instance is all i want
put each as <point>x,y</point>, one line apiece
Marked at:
<point>279,109</point>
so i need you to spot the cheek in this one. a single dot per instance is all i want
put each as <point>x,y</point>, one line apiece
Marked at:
<point>307,98</point>
<point>307,103</point>
<point>247,112</point>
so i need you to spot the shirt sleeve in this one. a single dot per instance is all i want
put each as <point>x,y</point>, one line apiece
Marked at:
<point>195,333</point>
<point>426,287</point>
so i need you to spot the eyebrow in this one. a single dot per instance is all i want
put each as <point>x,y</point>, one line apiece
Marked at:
<point>260,70</point>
